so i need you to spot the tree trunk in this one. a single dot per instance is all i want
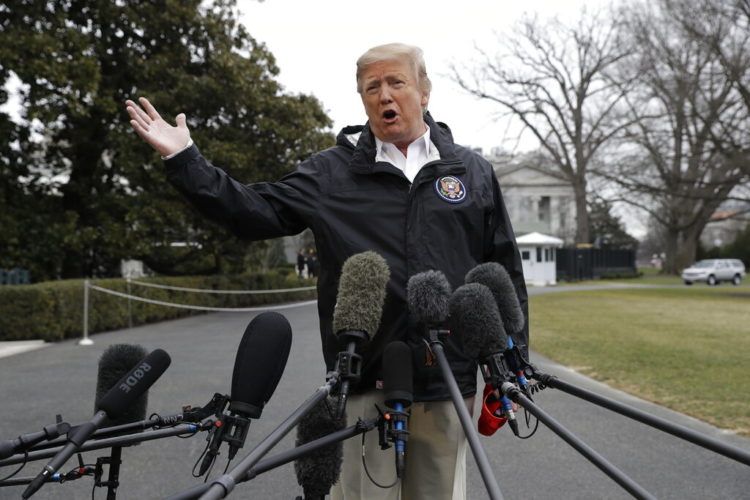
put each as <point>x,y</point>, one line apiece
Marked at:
<point>582,215</point>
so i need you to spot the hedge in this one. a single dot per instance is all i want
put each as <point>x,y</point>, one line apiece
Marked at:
<point>54,310</point>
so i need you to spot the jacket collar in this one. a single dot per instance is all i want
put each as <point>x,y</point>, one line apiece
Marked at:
<point>363,158</point>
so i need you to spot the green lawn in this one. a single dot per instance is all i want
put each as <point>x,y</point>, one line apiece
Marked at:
<point>685,348</point>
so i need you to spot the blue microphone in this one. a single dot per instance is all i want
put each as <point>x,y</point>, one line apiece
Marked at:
<point>399,394</point>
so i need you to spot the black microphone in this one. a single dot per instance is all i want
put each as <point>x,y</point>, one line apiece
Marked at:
<point>359,306</point>
<point>261,358</point>
<point>319,471</point>
<point>428,294</point>
<point>496,278</point>
<point>112,405</point>
<point>398,385</point>
<point>115,362</point>
<point>475,315</point>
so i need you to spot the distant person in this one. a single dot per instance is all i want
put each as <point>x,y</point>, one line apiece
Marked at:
<point>301,263</point>
<point>397,185</point>
<point>312,264</point>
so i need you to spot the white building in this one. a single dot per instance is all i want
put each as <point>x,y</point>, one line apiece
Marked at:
<point>538,258</point>
<point>538,199</point>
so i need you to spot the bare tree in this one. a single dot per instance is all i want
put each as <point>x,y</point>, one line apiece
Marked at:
<point>725,29</point>
<point>554,79</point>
<point>675,164</point>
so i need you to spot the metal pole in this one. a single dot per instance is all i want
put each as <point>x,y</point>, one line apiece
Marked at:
<point>589,453</point>
<point>130,307</point>
<point>224,485</point>
<point>663,425</point>
<point>86,340</point>
<point>480,456</point>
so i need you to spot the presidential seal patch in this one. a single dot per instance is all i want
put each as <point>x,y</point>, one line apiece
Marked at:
<point>451,189</point>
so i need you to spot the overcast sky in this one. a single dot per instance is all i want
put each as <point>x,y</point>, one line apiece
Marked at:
<point>316,44</point>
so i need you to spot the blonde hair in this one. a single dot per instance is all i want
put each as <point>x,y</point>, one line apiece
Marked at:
<point>396,51</point>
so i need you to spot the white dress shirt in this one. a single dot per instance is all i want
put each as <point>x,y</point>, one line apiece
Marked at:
<point>419,153</point>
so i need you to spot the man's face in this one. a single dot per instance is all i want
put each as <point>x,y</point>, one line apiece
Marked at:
<point>393,102</point>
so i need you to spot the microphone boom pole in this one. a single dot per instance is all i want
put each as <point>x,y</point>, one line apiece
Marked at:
<point>589,453</point>
<point>679,431</point>
<point>490,482</point>
<point>223,485</point>
<point>287,456</point>
<point>127,440</point>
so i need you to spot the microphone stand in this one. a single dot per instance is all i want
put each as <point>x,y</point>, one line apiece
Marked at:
<point>661,424</point>
<point>114,460</point>
<point>215,406</point>
<point>223,485</point>
<point>122,441</point>
<point>589,453</point>
<point>480,456</point>
<point>361,427</point>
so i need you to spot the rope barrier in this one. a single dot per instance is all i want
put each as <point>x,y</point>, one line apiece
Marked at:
<point>201,290</point>
<point>202,308</point>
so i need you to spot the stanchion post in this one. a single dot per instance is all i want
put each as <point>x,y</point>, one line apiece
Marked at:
<point>85,340</point>
<point>130,307</point>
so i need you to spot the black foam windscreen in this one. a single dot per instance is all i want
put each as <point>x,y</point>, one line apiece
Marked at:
<point>116,361</point>
<point>320,470</point>
<point>474,316</point>
<point>428,294</point>
<point>260,362</point>
<point>496,278</point>
<point>134,384</point>
<point>361,293</point>
<point>398,383</point>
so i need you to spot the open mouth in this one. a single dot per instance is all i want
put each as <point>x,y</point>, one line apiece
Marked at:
<point>389,115</point>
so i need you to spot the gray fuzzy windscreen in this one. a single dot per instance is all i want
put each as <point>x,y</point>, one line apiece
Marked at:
<point>361,294</point>
<point>320,470</point>
<point>116,361</point>
<point>428,294</point>
<point>496,278</point>
<point>475,318</point>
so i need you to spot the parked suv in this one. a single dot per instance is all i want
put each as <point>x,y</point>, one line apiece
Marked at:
<point>714,271</point>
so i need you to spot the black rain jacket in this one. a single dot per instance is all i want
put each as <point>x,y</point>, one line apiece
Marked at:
<point>353,204</point>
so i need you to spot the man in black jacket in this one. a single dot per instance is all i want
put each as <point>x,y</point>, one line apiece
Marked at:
<point>399,186</point>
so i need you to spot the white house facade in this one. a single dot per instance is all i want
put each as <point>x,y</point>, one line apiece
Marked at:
<point>538,199</point>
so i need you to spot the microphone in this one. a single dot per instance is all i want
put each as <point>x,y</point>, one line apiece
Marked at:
<point>359,306</point>
<point>318,472</point>
<point>475,314</point>
<point>428,294</point>
<point>261,358</point>
<point>398,385</point>
<point>114,363</point>
<point>496,278</point>
<point>112,405</point>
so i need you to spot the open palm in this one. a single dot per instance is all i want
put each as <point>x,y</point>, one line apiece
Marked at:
<point>151,127</point>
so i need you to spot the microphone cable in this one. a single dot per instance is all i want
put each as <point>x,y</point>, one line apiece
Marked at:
<point>367,472</point>
<point>20,468</point>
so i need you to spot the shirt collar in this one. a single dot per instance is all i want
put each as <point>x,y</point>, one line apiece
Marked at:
<point>423,140</point>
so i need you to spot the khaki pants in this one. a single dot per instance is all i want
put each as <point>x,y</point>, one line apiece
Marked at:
<point>435,455</point>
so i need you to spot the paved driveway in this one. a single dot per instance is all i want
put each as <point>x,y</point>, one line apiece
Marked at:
<point>61,378</point>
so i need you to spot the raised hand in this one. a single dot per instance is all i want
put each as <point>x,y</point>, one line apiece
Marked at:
<point>152,128</point>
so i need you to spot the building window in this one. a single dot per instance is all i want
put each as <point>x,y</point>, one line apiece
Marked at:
<point>525,255</point>
<point>539,254</point>
<point>544,209</point>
